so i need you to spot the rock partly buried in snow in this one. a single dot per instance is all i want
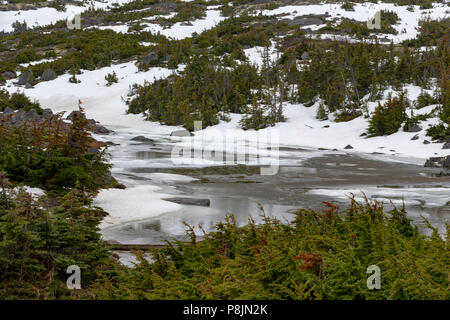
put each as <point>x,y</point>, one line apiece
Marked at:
<point>181,133</point>
<point>190,201</point>
<point>142,139</point>
<point>413,128</point>
<point>348,147</point>
<point>416,137</point>
<point>112,143</point>
<point>446,145</point>
<point>48,75</point>
<point>426,142</point>
<point>28,85</point>
<point>99,129</point>
<point>25,77</point>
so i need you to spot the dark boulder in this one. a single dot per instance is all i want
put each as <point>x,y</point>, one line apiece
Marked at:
<point>446,145</point>
<point>438,162</point>
<point>99,129</point>
<point>48,75</point>
<point>47,113</point>
<point>348,147</point>
<point>25,77</point>
<point>32,115</point>
<point>426,142</point>
<point>305,21</point>
<point>149,58</point>
<point>413,128</point>
<point>416,137</point>
<point>142,139</point>
<point>7,111</point>
<point>28,85</point>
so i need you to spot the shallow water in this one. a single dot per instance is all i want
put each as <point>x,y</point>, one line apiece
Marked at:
<point>306,178</point>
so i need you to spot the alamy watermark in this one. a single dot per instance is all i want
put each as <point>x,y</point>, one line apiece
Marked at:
<point>73,20</point>
<point>375,22</point>
<point>230,147</point>
<point>373,281</point>
<point>74,280</point>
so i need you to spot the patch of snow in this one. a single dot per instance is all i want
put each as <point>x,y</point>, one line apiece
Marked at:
<point>133,203</point>
<point>406,28</point>
<point>179,31</point>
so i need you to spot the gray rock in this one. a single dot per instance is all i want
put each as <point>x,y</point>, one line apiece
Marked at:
<point>19,116</point>
<point>92,150</point>
<point>48,75</point>
<point>32,114</point>
<point>305,55</point>
<point>99,129</point>
<point>47,113</point>
<point>348,147</point>
<point>164,6</point>
<point>25,77</point>
<point>7,111</point>
<point>28,85</point>
<point>433,162</point>
<point>413,128</point>
<point>181,133</point>
<point>438,162</point>
<point>305,21</point>
<point>416,137</point>
<point>446,145</point>
<point>152,56</point>
<point>190,201</point>
<point>142,139</point>
<point>8,75</point>
<point>446,162</point>
<point>426,142</point>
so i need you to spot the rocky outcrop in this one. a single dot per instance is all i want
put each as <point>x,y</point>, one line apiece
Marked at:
<point>348,147</point>
<point>94,126</point>
<point>21,116</point>
<point>439,162</point>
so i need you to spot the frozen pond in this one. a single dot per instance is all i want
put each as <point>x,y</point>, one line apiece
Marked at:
<point>306,178</point>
